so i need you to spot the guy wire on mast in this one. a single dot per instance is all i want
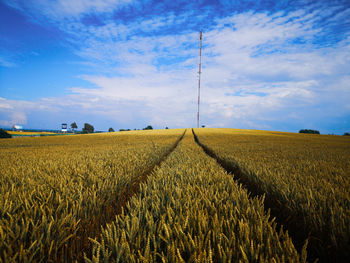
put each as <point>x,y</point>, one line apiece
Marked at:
<point>199,74</point>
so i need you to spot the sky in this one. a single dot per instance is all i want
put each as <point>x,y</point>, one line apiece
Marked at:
<point>269,65</point>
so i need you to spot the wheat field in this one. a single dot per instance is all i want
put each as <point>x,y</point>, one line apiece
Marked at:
<point>201,195</point>
<point>55,192</point>
<point>309,175</point>
<point>191,210</point>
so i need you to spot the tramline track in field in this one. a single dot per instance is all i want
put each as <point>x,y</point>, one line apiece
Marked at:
<point>133,188</point>
<point>192,210</point>
<point>284,217</point>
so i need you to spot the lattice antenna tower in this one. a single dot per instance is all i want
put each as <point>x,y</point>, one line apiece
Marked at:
<point>199,74</point>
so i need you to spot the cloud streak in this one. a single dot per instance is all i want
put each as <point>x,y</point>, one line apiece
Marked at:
<point>58,10</point>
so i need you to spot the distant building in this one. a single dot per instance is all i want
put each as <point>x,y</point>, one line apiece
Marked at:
<point>64,127</point>
<point>17,127</point>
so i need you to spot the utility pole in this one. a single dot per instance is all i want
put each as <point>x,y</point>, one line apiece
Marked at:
<point>199,74</point>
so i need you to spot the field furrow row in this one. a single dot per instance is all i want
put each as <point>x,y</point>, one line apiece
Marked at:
<point>201,195</point>
<point>305,180</point>
<point>191,210</point>
<point>57,192</point>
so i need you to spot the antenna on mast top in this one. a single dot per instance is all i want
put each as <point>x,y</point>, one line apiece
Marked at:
<point>199,74</point>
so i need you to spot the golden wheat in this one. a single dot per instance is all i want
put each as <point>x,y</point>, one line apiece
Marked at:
<point>57,191</point>
<point>191,210</point>
<point>308,174</point>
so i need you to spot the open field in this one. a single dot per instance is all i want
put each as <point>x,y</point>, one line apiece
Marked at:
<point>31,133</point>
<point>28,133</point>
<point>158,196</point>
<point>57,191</point>
<point>191,210</point>
<point>306,179</point>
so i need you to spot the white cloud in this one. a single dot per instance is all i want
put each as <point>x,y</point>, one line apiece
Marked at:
<point>4,104</point>
<point>257,67</point>
<point>13,112</point>
<point>6,63</point>
<point>63,9</point>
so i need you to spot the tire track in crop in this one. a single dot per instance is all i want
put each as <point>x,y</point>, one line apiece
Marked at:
<point>123,197</point>
<point>284,216</point>
<point>134,186</point>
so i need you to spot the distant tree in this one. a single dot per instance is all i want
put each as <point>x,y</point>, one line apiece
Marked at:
<point>203,126</point>
<point>309,131</point>
<point>110,130</point>
<point>88,128</point>
<point>4,134</point>
<point>74,126</point>
<point>346,134</point>
<point>149,127</point>
<point>166,128</point>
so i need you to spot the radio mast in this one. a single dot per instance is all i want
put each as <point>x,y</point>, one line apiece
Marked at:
<point>199,74</point>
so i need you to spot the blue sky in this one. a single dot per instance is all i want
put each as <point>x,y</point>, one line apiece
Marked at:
<point>273,65</point>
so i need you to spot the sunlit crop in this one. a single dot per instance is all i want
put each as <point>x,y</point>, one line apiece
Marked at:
<point>191,210</point>
<point>158,196</point>
<point>55,192</point>
<point>309,175</point>
<point>25,133</point>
